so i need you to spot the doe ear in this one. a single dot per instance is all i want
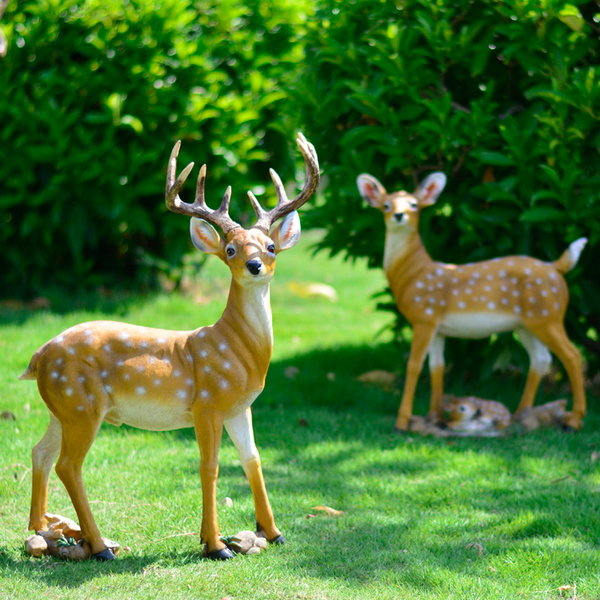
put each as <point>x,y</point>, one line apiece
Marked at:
<point>371,190</point>
<point>205,236</point>
<point>430,188</point>
<point>287,233</point>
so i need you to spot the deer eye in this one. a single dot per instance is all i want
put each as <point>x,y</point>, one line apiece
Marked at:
<point>271,248</point>
<point>386,206</point>
<point>230,251</point>
<point>413,204</point>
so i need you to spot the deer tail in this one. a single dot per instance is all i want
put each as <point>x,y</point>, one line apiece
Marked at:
<point>570,256</point>
<point>32,370</point>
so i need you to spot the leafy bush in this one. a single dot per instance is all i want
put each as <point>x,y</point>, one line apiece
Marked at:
<point>503,96</point>
<point>93,96</point>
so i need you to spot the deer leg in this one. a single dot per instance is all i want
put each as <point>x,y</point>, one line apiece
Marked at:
<point>436,368</point>
<point>422,335</point>
<point>77,438</point>
<point>209,430</point>
<point>42,457</point>
<point>559,343</point>
<point>240,430</point>
<point>539,361</point>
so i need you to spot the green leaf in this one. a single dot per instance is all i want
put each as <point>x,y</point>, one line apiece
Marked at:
<point>541,214</point>
<point>571,17</point>
<point>496,159</point>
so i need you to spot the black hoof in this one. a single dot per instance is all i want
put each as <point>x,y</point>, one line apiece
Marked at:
<point>568,429</point>
<point>277,541</point>
<point>223,554</point>
<point>400,431</point>
<point>104,555</point>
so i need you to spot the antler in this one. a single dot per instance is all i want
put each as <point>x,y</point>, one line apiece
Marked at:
<point>284,206</point>
<point>219,217</point>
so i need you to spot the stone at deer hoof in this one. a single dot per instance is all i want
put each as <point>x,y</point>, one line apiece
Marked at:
<point>222,554</point>
<point>253,550</point>
<point>36,545</point>
<point>242,542</point>
<point>261,543</point>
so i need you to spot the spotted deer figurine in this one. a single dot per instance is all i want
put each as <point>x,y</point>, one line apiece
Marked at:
<point>161,380</point>
<point>513,293</point>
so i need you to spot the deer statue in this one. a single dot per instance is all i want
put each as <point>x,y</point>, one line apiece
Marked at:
<point>513,293</point>
<point>160,380</point>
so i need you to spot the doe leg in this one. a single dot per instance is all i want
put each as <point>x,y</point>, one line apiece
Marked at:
<point>209,430</point>
<point>539,361</point>
<point>240,430</point>
<point>556,338</point>
<point>77,438</point>
<point>422,336</point>
<point>42,457</point>
<point>436,368</point>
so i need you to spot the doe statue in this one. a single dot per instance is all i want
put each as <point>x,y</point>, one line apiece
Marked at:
<point>159,380</point>
<point>513,293</point>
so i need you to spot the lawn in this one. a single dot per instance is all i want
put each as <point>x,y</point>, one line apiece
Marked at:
<point>422,518</point>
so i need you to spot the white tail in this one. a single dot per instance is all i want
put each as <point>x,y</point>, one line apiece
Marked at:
<point>514,293</point>
<point>161,380</point>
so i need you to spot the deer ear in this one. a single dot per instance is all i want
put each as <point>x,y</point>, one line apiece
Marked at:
<point>205,236</point>
<point>371,190</point>
<point>287,233</point>
<point>430,188</point>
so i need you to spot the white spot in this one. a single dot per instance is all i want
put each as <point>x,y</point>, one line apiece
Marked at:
<point>556,306</point>
<point>107,348</point>
<point>471,282</point>
<point>455,292</point>
<point>430,288</point>
<point>222,347</point>
<point>514,281</point>
<point>152,360</point>
<point>71,351</point>
<point>487,288</point>
<point>545,313</point>
<point>527,271</point>
<point>80,407</point>
<point>442,303</point>
<point>104,374</point>
<point>516,293</point>
<point>476,275</point>
<point>531,299</point>
<point>431,300</point>
<point>454,280</point>
<point>59,361</point>
<point>144,344</point>
<point>459,270</point>
<point>517,309</point>
<point>63,378</point>
<point>417,299</point>
<point>468,291</point>
<point>529,314</point>
<point>88,332</point>
<point>204,393</point>
<point>502,273</point>
<point>182,394</point>
<point>224,383</point>
<point>108,389</point>
<point>189,381</point>
<point>475,299</point>
<point>429,275</point>
<point>440,285</point>
<point>489,277</point>
<point>69,392</point>
<point>160,340</point>
<point>429,311</point>
<point>504,301</point>
<point>207,369</point>
<point>544,293</point>
<point>503,288</point>
<point>54,374</point>
<point>203,353</point>
<point>128,344</point>
<point>202,333</point>
<point>461,304</point>
<point>189,358</point>
<point>491,306</point>
<point>177,373</point>
<point>81,379</point>
<point>539,281</point>
<point>126,377</point>
<point>510,263</point>
<point>553,276</point>
<point>483,298</point>
<point>124,335</point>
<point>141,368</point>
<point>140,391</point>
<point>439,271</point>
<point>119,363</point>
<point>554,290</point>
<point>60,339</point>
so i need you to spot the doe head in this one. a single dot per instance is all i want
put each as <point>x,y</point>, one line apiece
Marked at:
<point>401,209</point>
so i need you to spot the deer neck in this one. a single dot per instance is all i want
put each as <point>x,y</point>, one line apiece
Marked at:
<point>404,258</point>
<point>248,317</point>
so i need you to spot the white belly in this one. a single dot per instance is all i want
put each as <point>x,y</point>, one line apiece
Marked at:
<point>477,324</point>
<point>151,414</point>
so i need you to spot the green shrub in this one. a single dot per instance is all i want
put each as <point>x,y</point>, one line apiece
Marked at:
<point>503,96</point>
<point>93,95</point>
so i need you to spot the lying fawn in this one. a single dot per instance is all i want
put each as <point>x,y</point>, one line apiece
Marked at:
<point>161,380</point>
<point>513,293</point>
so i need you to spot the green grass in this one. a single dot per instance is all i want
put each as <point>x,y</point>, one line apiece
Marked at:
<point>423,518</point>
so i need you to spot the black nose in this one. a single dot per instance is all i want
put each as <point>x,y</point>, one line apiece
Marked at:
<point>399,217</point>
<point>254,266</point>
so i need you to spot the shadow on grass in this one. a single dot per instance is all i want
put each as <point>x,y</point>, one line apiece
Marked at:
<point>411,504</point>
